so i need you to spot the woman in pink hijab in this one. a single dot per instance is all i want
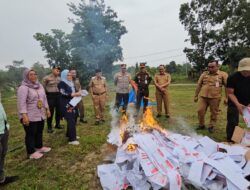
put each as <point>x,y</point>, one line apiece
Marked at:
<point>33,109</point>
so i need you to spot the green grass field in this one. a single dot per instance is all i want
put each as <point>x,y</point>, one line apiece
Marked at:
<point>74,167</point>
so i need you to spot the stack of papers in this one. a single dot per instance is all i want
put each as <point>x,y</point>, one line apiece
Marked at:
<point>168,160</point>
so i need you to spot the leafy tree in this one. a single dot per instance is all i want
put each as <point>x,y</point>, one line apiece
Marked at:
<point>40,70</point>
<point>14,74</point>
<point>216,29</point>
<point>96,34</point>
<point>56,46</point>
<point>171,67</point>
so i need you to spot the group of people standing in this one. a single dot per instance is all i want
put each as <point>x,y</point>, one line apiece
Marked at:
<point>36,102</point>
<point>141,83</point>
<point>209,94</point>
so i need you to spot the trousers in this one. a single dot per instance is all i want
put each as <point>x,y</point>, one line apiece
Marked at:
<point>162,97</point>
<point>34,136</point>
<point>203,104</point>
<point>232,121</point>
<point>3,150</point>
<point>54,105</point>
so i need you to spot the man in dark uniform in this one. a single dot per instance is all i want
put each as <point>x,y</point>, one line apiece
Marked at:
<point>50,83</point>
<point>142,79</point>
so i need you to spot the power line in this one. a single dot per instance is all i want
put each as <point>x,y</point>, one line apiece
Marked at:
<point>155,53</point>
<point>155,60</point>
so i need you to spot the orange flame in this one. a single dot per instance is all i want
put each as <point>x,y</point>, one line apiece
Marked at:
<point>131,147</point>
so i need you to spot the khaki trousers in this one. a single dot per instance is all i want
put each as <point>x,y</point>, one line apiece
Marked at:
<point>203,104</point>
<point>99,105</point>
<point>80,106</point>
<point>162,97</point>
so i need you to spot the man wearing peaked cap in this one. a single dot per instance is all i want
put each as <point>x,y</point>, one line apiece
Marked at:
<point>238,89</point>
<point>142,79</point>
<point>122,80</point>
<point>98,90</point>
<point>143,64</point>
<point>50,83</point>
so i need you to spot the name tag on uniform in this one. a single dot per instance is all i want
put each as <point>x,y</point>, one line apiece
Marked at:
<point>217,84</point>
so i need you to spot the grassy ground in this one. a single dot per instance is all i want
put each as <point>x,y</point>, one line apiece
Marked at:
<point>74,167</point>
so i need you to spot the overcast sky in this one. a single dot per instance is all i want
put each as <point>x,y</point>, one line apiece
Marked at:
<point>154,33</point>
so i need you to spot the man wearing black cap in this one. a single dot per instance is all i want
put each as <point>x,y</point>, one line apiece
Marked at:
<point>142,79</point>
<point>50,83</point>
<point>98,90</point>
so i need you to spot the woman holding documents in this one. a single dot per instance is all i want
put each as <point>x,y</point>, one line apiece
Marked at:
<point>67,92</point>
<point>33,108</point>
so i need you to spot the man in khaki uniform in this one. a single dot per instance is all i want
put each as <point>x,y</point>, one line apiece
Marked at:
<point>98,90</point>
<point>162,81</point>
<point>209,89</point>
<point>50,83</point>
<point>78,87</point>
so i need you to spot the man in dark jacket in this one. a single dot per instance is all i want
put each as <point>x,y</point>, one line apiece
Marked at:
<point>142,79</point>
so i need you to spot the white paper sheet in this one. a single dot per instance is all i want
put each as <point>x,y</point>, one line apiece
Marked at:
<point>195,173</point>
<point>246,116</point>
<point>74,101</point>
<point>84,93</point>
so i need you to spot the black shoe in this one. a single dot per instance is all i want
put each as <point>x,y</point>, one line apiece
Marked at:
<point>9,179</point>
<point>50,130</point>
<point>200,127</point>
<point>83,121</point>
<point>210,129</point>
<point>167,116</point>
<point>158,115</point>
<point>58,127</point>
<point>97,122</point>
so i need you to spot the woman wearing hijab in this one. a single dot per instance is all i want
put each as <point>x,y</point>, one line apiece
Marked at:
<point>33,107</point>
<point>67,90</point>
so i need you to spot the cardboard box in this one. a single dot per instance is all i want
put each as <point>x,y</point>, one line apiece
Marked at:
<point>241,136</point>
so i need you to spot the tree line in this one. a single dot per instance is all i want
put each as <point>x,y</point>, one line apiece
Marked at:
<point>217,30</point>
<point>11,78</point>
<point>93,43</point>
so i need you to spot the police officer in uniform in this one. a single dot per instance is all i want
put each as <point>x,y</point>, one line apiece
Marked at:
<point>50,83</point>
<point>162,81</point>
<point>122,80</point>
<point>209,89</point>
<point>142,79</point>
<point>98,90</point>
<point>80,105</point>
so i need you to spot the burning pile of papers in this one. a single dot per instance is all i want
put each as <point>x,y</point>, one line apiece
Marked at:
<point>151,157</point>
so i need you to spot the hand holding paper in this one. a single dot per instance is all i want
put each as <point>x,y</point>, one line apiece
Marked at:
<point>246,116</point>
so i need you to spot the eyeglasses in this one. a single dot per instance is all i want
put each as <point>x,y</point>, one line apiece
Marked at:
<point>211,67</point>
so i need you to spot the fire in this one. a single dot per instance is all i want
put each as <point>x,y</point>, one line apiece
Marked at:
<point>148,118</point>
<point>131,147</point>
<point>146,125</point>
<point>149,121</point>
<point>124,118</point>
